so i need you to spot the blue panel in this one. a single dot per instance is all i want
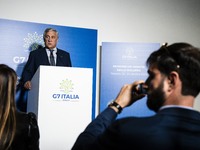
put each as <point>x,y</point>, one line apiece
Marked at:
<point>123,63</point>
<point>18,38</point>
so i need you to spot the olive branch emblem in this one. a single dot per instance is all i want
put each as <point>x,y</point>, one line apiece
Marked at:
<point>66,86</point>
<point>33,41</point>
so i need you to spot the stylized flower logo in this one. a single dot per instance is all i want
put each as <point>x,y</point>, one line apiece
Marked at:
<point>129,54</point>
<point>33,41</point>
<point>66,86</point>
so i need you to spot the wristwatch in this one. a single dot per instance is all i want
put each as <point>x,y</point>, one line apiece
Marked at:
<point>116,105</point>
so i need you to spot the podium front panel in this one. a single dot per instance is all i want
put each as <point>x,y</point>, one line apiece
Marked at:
<point>64,104</point>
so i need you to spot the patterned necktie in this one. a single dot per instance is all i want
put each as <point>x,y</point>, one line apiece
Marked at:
<point>52,61</point>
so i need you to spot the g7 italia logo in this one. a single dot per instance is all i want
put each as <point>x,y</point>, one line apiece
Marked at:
<point>66,87</point>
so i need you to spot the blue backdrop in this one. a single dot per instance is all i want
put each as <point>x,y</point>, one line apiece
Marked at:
<point>18,38</point>
<point>123,63</point>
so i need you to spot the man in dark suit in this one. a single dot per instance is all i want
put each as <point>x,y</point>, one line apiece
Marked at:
<point>42,56</point>
<point>171,89</point>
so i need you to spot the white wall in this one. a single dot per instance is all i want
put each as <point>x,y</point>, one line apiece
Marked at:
<point>116,20</point>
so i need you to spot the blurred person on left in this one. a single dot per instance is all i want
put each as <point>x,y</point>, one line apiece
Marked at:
<point>18,130</point>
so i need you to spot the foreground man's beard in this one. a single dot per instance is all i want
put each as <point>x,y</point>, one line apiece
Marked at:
<point>156,98</point>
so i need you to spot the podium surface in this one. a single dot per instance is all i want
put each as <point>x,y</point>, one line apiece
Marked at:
<point>61,97</point>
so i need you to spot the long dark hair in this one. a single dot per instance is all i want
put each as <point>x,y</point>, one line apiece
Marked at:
<point>8,79</point>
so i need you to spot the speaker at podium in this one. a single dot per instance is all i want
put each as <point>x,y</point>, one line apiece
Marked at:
<point>61,97</point>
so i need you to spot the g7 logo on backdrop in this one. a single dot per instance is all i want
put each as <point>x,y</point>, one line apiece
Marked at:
<point>19,59</point>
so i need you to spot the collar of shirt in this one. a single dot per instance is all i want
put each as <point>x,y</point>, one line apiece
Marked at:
<point>176,106</point>
<point>54,51</point>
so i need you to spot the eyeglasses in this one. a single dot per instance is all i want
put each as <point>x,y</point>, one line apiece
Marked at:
<point>164,46</point>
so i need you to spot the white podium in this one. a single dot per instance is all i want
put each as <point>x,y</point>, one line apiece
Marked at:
<point>61,97</point>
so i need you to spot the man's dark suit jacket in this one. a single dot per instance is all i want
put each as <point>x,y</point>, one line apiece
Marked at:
<point>39,57</point>
<point>170,129</point>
